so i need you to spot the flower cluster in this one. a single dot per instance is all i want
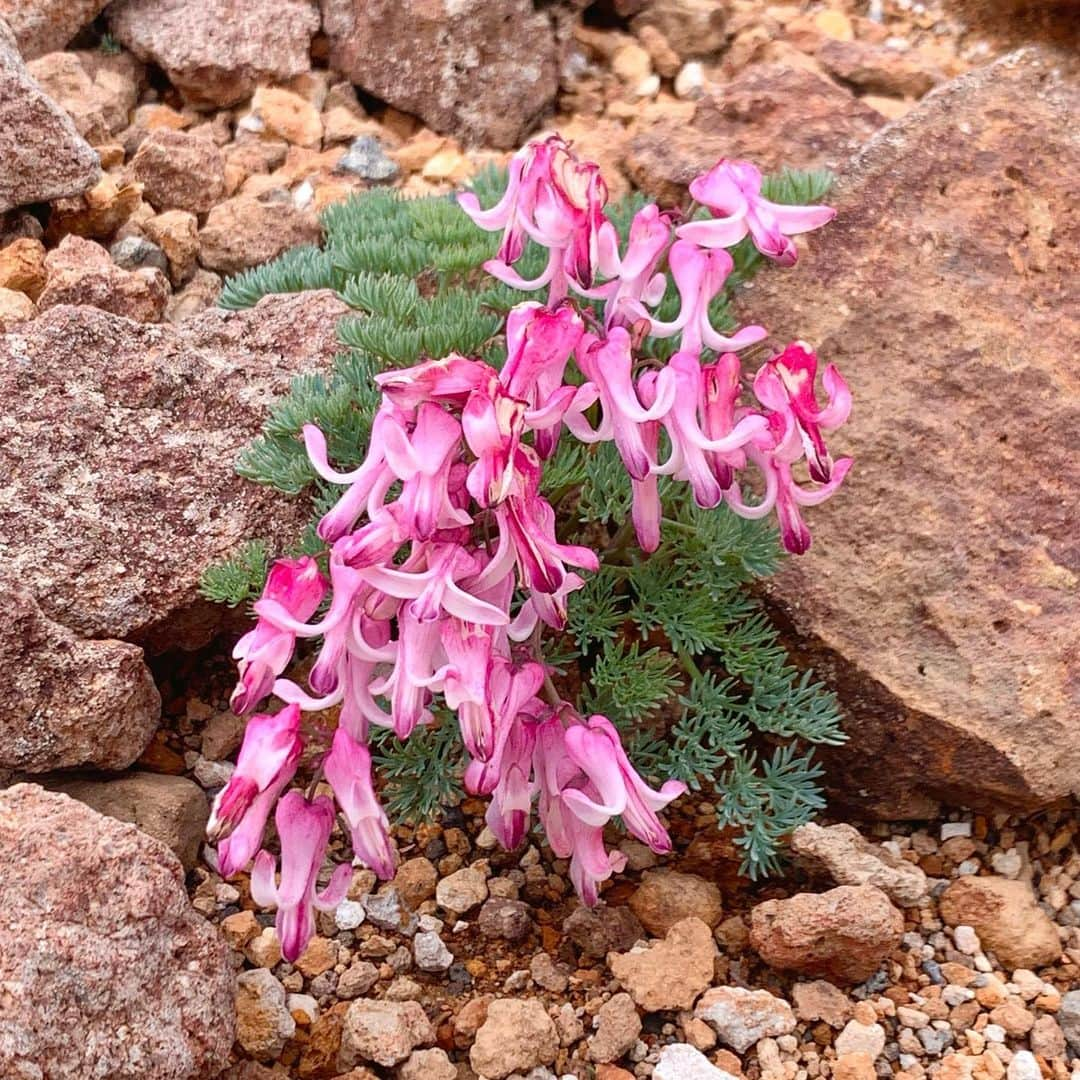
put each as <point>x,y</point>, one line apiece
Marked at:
<point>443,565</point>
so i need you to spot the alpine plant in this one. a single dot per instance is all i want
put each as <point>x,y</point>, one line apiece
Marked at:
<point>445,567</point>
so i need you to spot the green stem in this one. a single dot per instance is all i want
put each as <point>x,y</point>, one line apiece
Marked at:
<point>689,665</point>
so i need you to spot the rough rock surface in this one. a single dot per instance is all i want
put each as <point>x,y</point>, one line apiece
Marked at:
<point>1006,917</point>
<point>40,26</point>
<point>842,935</point>
<point>53,681</point>
<point>385,1032</point>
<point>482,69</point>
<point>940,596</point>
<point>742,1017</point>
<point>98,937</point>
<point>171,809</point>
<point>775,115</point>
<point>516,1036</point>
<point>603,929</point>
<point>42,155</point>
<point>851,860</point>
<point>139,416</point>
<point>179,171</point>
<point>679,1061</point>
<point>668,974</point>
<point>217,51</point>
<point>246,231</point>
<point>81,272</point>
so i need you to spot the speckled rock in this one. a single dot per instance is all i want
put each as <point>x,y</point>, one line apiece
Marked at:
<point>42,155</point>
<point>217,51</point>
<point>98,936</point>
<point>179,171</point>
<point>383,1032</point>
<point>263,1021</point>
<point>668,974</point>
<point>245,231</point>
<point>665,897</point>
<point>516,1036</point>
<point>40,26</point>
<point>481,69</point>
<point>940,596</point>
<point>138,415</point>
<point>617,1028</point>
<point>603,929</point>
<point>742,1017</point>
<point>842,935</point>
<point>682,1062</point>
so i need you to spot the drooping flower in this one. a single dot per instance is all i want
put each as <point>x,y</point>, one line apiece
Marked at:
<point>596,749</point>
<point>297,586</point>
<point>348,769</point>
<point>732,191</point>
<point>786,384</point>
<point>304,828</point>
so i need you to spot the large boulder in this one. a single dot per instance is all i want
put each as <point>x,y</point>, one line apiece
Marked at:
<point>98,938</point>
<point>482,69</point>
<point>940,597</point>
<point>42,155</point>
<point>217,51</point>
<point>40,26</point>
<point>118,453</point>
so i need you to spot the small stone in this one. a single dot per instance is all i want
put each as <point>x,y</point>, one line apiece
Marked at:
<point>668,974</point>
<point>288,115</point>
<point>617,1029</point>
<point>843,934</point>
<point>666,897</point>
<point>935,1041</point>
<point>1047,1039</point>
<point>245,231</point>
<point>678,1061</point>
<point>952,829</point>
<point>510,920</point>
<point>852,860</point>
<point>1024,1067</point>
<point>384,1032</point>
<point>859,1038</point>
<point>603,929</point>
<point>516,1036</point>
<point>857,1066</point>
<point>134,252</point>
<point>177,234</point>
<point>427,1065</point>
<point>570,1028</point>
<point>834,24</point>
<point>179,171</point>
<point>1006,917</point>
<point>15,307</point>
<point>631,63</point>
<point>430,952</point>
<point>303,1008</point>
<point>966,940</point>
<point>22,266</point>
<point>349,914</point>
<point>462,891</point>
<point>263,1022</point>
<point>319,955</point>
<point>386,911</point>
<point>547,974</point>
<point>264,951</point>
<point>357,979</point>
<point>742,1017</point>
<point>1014,1018</point>
<point>820,1000</point>
<point>240,928</point>
<point>415,881</point>
<point>449,165</point>
<point>690,82</point>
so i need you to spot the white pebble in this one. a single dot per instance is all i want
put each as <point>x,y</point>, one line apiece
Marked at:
<point>349,915</point>
<point>994,1033</point>
<point>649,87</point>
<point>982,964</point>
<point>1024,1066</point>
<point>690,81</point>
<point>967,868</point>
<point>305,1005</point>
<point>967,941</point>
<point>955,828</point>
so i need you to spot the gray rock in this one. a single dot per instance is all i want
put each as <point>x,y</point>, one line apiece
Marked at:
<point>1068,1019</point>
<point>742,1017</point>
<point>617,1029</point>
<point>510,920</point>
<point>603,929</point>
<point>263,1021</point>
<point>430,952</point>
<point>367,159</point>
<point>134,252</point>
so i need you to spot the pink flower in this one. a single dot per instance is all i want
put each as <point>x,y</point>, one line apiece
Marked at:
<point>596,749</point>
<point>786,384</point>
<point>297,586</point>
<point>635,279</point>
<point>558,201</point>
<point>493,423</point>
<point>348,769</point>
<point>732,191</point>
<point>469,649</point>
<point>511,798</point>
<point>699,276</point>
<point>449,381</point>
<point>304,828</point>
<point>266,763</point>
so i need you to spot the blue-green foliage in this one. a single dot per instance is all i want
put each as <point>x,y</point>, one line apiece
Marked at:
<point>673,647</point>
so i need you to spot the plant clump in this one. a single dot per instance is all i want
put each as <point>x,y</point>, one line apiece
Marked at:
<point>536,522</point>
